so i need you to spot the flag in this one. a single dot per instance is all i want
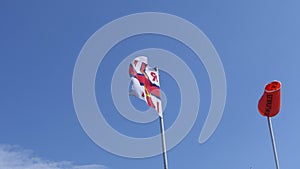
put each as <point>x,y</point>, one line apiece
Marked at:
<point>145,83</point>
<point>269,103</point>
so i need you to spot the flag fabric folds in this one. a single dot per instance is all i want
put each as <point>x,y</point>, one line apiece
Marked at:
<point>145,83</point>
<point>269,103</point>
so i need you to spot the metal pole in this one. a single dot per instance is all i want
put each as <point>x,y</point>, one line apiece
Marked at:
<point>273,142</point>
<point>162,130</point>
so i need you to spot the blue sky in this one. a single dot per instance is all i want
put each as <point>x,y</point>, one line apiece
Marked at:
<point>257,42</point>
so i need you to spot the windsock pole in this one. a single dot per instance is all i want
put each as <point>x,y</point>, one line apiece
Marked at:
<point>273,142</point>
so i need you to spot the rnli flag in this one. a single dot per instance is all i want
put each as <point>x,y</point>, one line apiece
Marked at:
<point>145,83</point>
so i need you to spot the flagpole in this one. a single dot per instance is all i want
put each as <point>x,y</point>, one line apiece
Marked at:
<point>273,143</point>
<point>163,139</point>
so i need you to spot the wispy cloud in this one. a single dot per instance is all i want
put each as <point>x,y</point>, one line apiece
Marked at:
<point>14,157</point>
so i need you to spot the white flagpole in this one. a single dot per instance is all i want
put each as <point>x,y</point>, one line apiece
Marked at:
<point>273,143</point>
<point>163,139</point>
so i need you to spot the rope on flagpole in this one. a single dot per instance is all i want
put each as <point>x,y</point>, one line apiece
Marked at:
<point>273,143</point>
<point>163,139</point>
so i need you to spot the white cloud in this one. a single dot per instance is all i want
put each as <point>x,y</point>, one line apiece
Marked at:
<point>13,157</point>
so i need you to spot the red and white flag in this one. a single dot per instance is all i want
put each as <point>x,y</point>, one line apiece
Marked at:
<point>145,83</point>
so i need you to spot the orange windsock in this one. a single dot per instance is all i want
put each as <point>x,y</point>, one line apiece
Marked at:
<point>269,103</point>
